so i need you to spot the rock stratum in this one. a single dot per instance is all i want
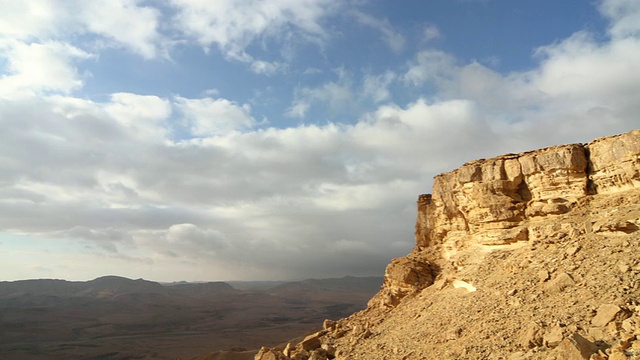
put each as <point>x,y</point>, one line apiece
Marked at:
<point>523,256</point>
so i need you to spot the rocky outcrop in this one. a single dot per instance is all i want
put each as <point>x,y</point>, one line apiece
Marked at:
<point>497,201</point>
<point>614,163</point>
<point>403,276</point>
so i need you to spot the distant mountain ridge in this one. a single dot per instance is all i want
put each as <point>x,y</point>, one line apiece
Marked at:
<point>103,287</point>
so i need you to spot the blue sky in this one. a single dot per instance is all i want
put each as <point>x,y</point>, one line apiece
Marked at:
<point>280,139</point>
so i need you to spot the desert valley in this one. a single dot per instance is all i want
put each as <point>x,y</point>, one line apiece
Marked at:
<point>118,318</point>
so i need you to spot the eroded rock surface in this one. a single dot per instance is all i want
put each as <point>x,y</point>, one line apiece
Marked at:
<point>509,198</point>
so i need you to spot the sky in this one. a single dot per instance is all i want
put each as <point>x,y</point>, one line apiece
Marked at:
<point>278,139</point>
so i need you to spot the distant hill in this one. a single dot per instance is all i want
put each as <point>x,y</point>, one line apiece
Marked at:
<point>106,287</point>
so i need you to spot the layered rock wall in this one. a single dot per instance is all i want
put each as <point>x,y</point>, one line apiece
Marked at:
<point>492,201</point>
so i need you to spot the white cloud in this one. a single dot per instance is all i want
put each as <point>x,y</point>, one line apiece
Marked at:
<point>39,67</point>
<point>430,66</point>
<point>265,67</point>
<point>394,40</point>
<point>32,18</point>
<point>624,16</point>
<point>191,241</point>
<point>121,22</point>
<point>143,115</point>
<point>106,239</point>
<point>336,95</point>
<point>580,67</point>
<point>233,25</point>
<point>298,109</point>
<point>209,117</point>
<point>430,33</point>
<point>376,87</point>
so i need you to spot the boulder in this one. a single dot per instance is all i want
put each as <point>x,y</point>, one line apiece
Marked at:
<point>605,314</point>
<point>576,347</point>
<point>312,341</point>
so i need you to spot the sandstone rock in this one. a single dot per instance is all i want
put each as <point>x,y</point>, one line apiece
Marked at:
<point>404,276</point>
<point>330,350</point>
<point>543,275</point>
<point>553,337</point>
<point>605,314</point>
<point>597,332</point>
<point>576,347</point>
<point>629,325</point>
<point>288,350</point>
<point>560,282</point>
<point>572,250</point>
<point>493,201</point>
<point>300,355</point>
<point>312,341</point>
<point>557,172</point>
<point>266,353</point>
<point>318,354</point>
<point>614,162</point>
<point>531,336</point>
<point>329,325</point>
<point>618,355</point>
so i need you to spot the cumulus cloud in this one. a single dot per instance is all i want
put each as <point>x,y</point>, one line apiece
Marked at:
<point>122,23</point>
<point>34,68</point>
<point>142,115</point>
<point>624,16</point>
<point>209,116</point>
<point>232,26</point>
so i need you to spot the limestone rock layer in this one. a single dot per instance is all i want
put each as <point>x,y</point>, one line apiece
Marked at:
<point>492,201</point>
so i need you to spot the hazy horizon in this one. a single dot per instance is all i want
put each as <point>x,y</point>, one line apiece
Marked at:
<point>264,140</point>
<point>164,282</point>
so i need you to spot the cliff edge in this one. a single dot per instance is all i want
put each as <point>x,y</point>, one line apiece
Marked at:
<point>523,256</point>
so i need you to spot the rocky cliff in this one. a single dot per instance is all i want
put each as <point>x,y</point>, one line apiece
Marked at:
<point>524,256</point>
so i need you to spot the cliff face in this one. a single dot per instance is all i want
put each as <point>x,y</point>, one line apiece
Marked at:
<point>522,256</point>
<point>495,201</point>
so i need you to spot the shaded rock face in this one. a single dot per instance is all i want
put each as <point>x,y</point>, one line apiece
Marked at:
<point>403,276</point>
<point>493,201</point>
